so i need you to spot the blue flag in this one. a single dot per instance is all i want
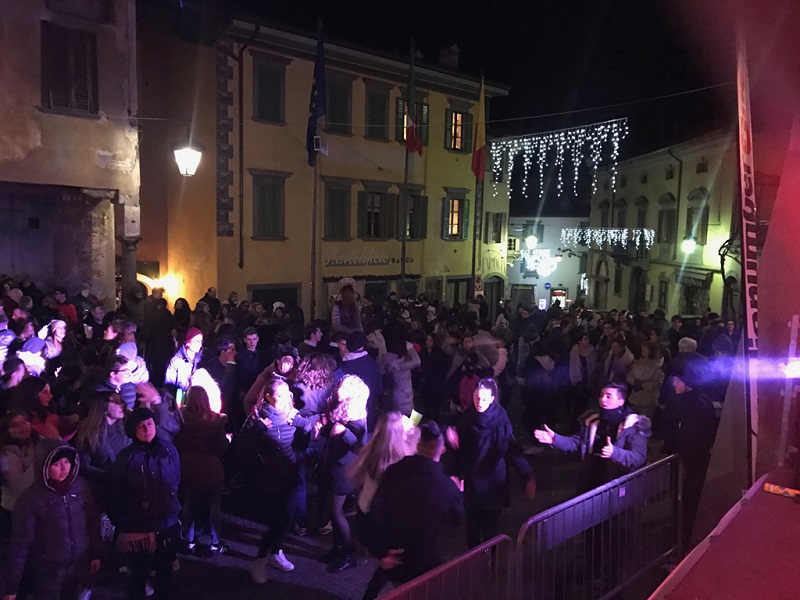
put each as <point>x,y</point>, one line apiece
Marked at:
<point>318,105</point>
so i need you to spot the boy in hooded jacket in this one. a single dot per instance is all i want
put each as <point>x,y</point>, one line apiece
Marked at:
<point>55,539</point>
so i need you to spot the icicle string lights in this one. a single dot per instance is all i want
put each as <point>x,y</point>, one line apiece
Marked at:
<point>575,145</point>
<point>599,236</point>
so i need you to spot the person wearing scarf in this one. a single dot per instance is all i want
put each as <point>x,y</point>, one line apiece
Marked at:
<point>145,507</point>
<point>612,441</point>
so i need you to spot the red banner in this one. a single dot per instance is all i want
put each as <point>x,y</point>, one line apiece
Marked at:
<point>749,249</point>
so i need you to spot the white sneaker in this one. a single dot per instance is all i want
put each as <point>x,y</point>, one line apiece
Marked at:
<point>148,590</point>
<point>258,570</point>
<point>279,561</point>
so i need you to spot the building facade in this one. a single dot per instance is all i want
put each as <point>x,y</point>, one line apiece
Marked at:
<point>245,221</point>
<point>675,207</point>
<point>69,168</point>
<point>545,272</point>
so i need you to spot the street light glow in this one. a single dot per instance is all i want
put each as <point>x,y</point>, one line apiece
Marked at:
<point>688,245</point>
<point>531,242</point>
<point>188,158</point>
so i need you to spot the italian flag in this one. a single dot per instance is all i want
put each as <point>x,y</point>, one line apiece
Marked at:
<point>479,143</point>
<point>413,143</point>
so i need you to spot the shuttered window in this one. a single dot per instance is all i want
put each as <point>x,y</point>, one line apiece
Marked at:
<point>68,69</point>
<point>338,117</point>
<point>377,114</point>
<point>666,226</point>
<point>376,215</point>
<point>337,213</point>
<point>455,218</point>
<point>457,131</point>
<point>268,207</point>
<point>416,222</point>
<point>269,82</point>
<point>697,224</point>
<point>422,116</point>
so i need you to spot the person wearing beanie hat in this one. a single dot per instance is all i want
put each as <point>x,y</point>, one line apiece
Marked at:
<point>359,362</point>
<point>56,535</point>
<point>139,372</point>
<point>186,361</point>
<point>355,341</point>
<point>144,505</point>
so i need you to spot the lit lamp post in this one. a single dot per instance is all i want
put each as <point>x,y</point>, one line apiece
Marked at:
<point>688,245</point>
<point>188,156</point>
<point>531,242</point>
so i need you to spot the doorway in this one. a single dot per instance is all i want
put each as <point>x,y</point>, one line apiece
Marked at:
<point>493,288</point>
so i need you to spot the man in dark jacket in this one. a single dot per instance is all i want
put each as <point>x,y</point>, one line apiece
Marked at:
<point>145,508</point>
<point>213,302</point>
<point>415,499</point>
<point>356,361</point>
<point>690,433</point>
<point>612,441</point>
<point>56,532</point>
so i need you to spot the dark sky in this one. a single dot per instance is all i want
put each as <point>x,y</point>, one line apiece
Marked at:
<point>555,55</point>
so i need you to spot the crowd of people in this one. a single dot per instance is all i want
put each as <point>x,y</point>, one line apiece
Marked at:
<point>122,430</point>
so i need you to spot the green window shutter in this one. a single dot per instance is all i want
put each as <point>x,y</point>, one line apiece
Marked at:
<point>467,145</point>
<point>338,114</point>
<point>362,215</point>
<point>337,214</point>
<point>259,212</point>
<point>329,212</point>
<point>445,218</point>
<point>400,108</point>
<point>267,210</point>
<point>377,105</point>
<point>421,217</point>
<point>269,88</point>
<point>423,114</point>
<point>465,219</point>
<point>389,203</point>
<point>448,129</point>
<point>702,229</point>
<point>488,228</point>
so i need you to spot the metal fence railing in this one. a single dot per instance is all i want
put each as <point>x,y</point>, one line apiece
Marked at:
<point>594,545</point>
<point>483,573</point>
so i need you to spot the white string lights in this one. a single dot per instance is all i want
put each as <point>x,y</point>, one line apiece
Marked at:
<point>539,260</point>
<point>600,236</point>
<point>574,145</point>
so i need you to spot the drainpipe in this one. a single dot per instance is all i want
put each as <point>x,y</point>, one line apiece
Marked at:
<point>240,60</point>
<point>678,237</point>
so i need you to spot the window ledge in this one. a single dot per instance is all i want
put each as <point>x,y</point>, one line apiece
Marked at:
<point>331,239</point>
<point>457,152</point>
<point>341,133</point>
<point>454,239</point>
<point>375,239</point>
<point>269,239</point>
<point>377,139</point>
<point>268,122</point>
<point>65,112</point>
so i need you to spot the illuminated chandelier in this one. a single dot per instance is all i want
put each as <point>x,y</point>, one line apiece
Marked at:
<point>600,236</point>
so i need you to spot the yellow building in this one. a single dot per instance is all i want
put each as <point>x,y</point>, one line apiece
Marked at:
<point>685,196</point>
<point>244,222</point>
<point>69,170</point>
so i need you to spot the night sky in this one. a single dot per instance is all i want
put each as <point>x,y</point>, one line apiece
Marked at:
<point>555,56</point>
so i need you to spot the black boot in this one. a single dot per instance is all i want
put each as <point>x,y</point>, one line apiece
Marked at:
<point>347,560</point>
<point>332,555</point>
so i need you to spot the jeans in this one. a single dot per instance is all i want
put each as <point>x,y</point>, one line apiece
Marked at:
<point>196,506</point>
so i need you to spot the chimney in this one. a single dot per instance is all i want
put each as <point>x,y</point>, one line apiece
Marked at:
<point>448,56</point>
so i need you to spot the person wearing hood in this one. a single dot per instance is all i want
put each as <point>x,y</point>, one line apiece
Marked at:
<point>144,507</point>
<point>55,538</point>
<point>400,359</point>
<point>186,361</point>
<point>612,441</point>
<point>138,368</point>
<point>484,442</point>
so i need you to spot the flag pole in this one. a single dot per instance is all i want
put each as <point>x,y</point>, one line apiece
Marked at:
<point>317,108</point>
<point>313,288</point>
<point>477,227</point>
<point>402,221</point>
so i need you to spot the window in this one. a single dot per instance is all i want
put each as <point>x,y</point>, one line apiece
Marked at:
<point>337,118</point>
<point>513,244</point>
<point>623,181</point>
<point>376,215</point>
<point>606,183</point>
<point>697,223</point>
<point>618,281</point>
<point>455,218</point>
<point>377,113</point>
<point>622,213</point>
<point>458,131</point>
<point>666,226</point>
<point>604,214</point>
<point>670,174</point>
<point>400,120</point>
<point>583,260</point>
<point>702,165</point>
<point>662,295</point>
<point>643,178</point>
<point>68,70</point>
<point>417,217</point>
<point>537,230</point>
<point>268,88</point>
<point>268,207</point>
<point>495,225</point>
<point>641,212</point>
<point>337,212</point>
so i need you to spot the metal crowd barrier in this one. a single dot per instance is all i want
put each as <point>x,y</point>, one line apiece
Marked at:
<point>590,547</point>
<point>483,573</point>
<point>593,546</point>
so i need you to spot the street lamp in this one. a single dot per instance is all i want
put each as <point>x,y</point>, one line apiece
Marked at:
<point>188,155</point>
<point>531,242</point>
<point>688,245</point>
